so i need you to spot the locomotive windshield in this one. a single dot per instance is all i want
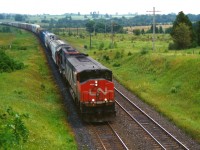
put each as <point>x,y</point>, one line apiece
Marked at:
<point>95,74</point>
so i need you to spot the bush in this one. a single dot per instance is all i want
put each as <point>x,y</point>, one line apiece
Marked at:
<point>85,46</point>
<point>116,65</point>
<point>22,48</point>
<point>105,57</point>
<point>117,55</point>
<point>12,129</point>
<point>7,64</point>
<point>173,90</point>
<point>172,46</point>
<point>129,53</point>
<point>6,30</point>
<point>101,46</point>
<point>112,45</point>
<point>144,51</point>
<point>81,36</point>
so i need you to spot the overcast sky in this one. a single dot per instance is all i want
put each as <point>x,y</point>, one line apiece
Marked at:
<point>101,6</point>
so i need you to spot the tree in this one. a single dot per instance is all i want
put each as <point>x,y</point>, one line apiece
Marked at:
<point>151,29</point>
<point>90,26</point>
<point>142,31</point>
<point>2,16</point>
<point>136,31</point>
<point>19,17</point>
<point>168,30</point>
<point>182,36</point>
<point>180,20</point>
<point>198,32</point>
<point>161,30</point>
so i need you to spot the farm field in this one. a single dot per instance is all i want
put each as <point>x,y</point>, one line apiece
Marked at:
<point>32,91</point>
<point>167,80</point>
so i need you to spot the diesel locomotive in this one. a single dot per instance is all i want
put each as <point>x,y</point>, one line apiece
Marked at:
<point>90,82</point>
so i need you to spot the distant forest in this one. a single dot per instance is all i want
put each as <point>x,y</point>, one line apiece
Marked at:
<point>138,20</point>
<point>74,20</point>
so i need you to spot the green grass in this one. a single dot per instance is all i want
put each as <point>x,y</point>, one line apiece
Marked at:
<point>32,90</point>
<point>167,80</point>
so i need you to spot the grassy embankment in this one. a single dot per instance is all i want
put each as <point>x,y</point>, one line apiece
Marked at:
<point>167,80</point>
<point>33,91</point>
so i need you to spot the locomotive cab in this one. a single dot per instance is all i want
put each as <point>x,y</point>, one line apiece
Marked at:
<point>96,95</point>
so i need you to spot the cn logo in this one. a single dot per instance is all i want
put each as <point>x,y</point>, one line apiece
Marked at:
<point>99,90</point>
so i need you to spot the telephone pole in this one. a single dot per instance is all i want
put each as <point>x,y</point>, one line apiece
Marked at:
<point>154,27</point>
<point>112,33</point>
<point>112,24</point>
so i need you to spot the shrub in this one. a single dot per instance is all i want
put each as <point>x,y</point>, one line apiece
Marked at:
<point>112,45</point>
<point>117,55</point>
<point>173,90</point>
<point>12,129</point>
<point>42,86</point>
<point>129,53</point>
<point>6,29</point>
<point>105,57</point>
<point>172,46</point>
<point>101,46</point>
<point>144,51</point>
<point>115,44</point>
<point>82,36</point>
<point>116,65</point>
<point>22,48</point>
<point>176,87</point>
<point>7,64</point>
<point>85,46</point>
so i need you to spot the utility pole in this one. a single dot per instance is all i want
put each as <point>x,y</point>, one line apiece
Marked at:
<point>90,40</point>
<point>112,34</point>
<point>77,31</point>
<point>94,28</point>
<point>105,30</point>
<point>154,26</point>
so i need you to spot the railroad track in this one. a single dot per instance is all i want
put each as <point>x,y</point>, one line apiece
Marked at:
<point>108,137</point>
<point>161,137</point>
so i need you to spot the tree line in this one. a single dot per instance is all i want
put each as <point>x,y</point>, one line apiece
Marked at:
<point>185,34</point>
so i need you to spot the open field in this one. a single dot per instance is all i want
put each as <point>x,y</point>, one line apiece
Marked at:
<point>167,80</point>
<point>146,28</point>
<point>32,91</point>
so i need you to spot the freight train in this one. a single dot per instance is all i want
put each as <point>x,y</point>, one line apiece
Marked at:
<point>90,82</point>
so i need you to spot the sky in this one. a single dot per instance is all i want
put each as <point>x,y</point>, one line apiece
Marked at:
<point>57,7</point>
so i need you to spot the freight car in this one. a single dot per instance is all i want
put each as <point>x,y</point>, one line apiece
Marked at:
<point>90,82</point>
